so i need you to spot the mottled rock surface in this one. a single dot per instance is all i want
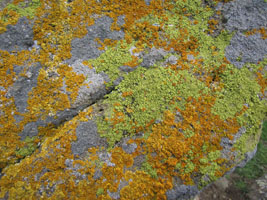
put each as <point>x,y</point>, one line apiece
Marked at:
<point>140,99</point>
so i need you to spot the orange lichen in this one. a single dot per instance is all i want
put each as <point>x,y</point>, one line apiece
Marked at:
<point>170,143</point>
<point>261,30</point>
<point>262,82</point>
<point>125,94</point>
<point>173,148</point>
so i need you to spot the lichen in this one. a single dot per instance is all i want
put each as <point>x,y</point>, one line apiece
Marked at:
<point>139,100</point>
<point>175,114</point>
<point>110,61</point>
<point>12,12</point>
<point>28,149</point>
<point>24,9</point>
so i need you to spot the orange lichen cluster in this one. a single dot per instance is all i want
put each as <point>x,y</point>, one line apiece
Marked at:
<point>262,81</point>
<point>142,186</point>
<point>172,146</point>
<point>7,17</point>
<point>212,25</point>
<point>9,129</point>
<point>261,30</point>
<point>133,62</point>
<point>54,28</point>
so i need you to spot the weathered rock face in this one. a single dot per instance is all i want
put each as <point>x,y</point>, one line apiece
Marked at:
<point>141,99</point>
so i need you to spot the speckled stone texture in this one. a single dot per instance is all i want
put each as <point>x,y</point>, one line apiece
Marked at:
<point>133,119</point>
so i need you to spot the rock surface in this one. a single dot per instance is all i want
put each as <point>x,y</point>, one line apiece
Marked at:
<point>101,100</point>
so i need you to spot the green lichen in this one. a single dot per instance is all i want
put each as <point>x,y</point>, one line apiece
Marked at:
<point>197,12</point>
<point>248,141</point>
<point>149,170</point>
<point>255,67</point>
<point>176,26</point>
<point>240,88</point>
<point>99,191</point>
<point>28,148</point>
<point>207,44</point>
<point>110,61</point>
<point>188,133</point>
<point>23,9</point>
<point>208,167</point>
<point>190,166</point>
<point>152,90</point>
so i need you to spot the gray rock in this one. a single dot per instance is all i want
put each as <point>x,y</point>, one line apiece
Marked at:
<point>117,81</point>
<point>170,60</point>
<point>126,68</point>
<point>98,174</point>
<point>87,136</point>
<point>147,2</point>
<point>244,15</point>
<point>86,95</point>
<point>106,158</point>
<point>129,148</point>
<point>182,192</point>
<point>243,49</point>
<point>259,189</point>
<point>87,48</point>
<point>120,20</point>
<point>95,81</point>
<point>23,85</point>
<point>153,56</point>
<point>17,37</point>
<point>30,130</point>
<point>240,16</point>
<point>190,57</point>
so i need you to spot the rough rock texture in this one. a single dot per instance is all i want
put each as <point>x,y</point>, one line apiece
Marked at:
<point>86,47</point>
<point>18,37</point>
<point>245,15</point>
<point>242,16</point>
<point>240,52</point>
<point>101,100</point>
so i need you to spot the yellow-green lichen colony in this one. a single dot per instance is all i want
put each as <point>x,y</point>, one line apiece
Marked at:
<point>175,113</point>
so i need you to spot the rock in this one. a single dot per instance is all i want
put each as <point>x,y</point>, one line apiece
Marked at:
<point>182,192</point>
<point>222,183</point>
<point>259,189</point>
<point>243,15</point>
<point>129,100</point>
<point>86,47</point>
<point>240,52</point>
<point>22,86</point>
<point>18,37</point>
<point>87,137</point>
<point>153,56</point>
